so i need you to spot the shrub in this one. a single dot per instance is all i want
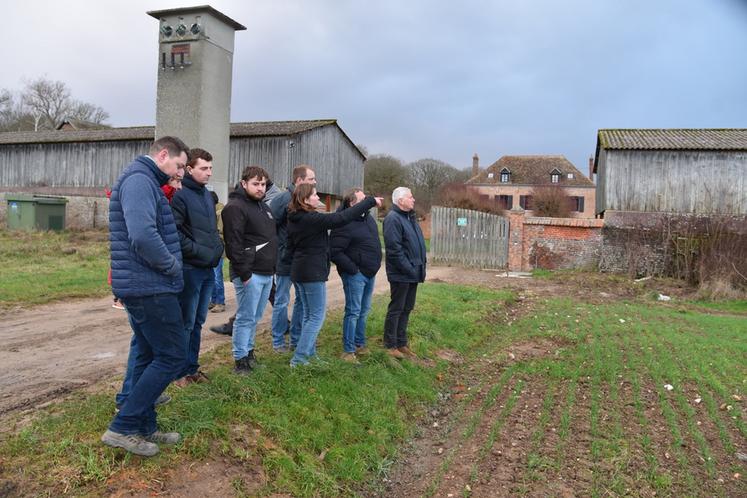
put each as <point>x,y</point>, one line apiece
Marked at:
<point>457,195</point>
<point>551,202</point>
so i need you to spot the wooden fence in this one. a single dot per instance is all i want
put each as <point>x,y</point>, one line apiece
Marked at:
<point>469,238</point>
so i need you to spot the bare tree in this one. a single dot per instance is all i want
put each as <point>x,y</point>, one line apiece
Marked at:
<point>427,176</point>
<point>42,105</point>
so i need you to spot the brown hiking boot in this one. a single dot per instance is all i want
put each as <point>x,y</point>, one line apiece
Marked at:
<point>362,351</point>
<point>395,353</point>
<point>407,352</point>
<point>349,357</point>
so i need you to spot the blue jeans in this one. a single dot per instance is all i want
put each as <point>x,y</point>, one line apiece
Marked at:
<point>194,300</point>
<point>131,356</point>
<point>161,352</point>
<point>280,313</point>
<point>358,291</point>
<point>251,300</point>
<point>219,295</point>
<point>314,298</point>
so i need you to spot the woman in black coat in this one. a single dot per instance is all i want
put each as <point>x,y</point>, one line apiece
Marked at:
<point>308,243</point>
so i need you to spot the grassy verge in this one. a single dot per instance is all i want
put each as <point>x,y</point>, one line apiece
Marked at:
<point>40,267</point>
<point>314,431</point>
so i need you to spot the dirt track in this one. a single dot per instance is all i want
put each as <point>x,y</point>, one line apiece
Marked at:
<point>51,350</point>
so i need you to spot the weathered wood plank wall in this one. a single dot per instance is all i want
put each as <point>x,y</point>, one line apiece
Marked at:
<point>700,182</point>
<point>337,163</point>
<point>469,238</point>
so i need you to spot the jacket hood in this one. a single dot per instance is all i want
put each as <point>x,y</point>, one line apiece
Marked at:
<point>238,192</point>
<point>190,183</point>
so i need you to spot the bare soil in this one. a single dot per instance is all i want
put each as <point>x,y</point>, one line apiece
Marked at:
<point>49,351</point>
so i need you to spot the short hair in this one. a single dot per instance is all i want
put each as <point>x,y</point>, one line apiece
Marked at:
<point>195,154</point>
<point>254,172</point>
<point>173,145</point>
<point>300,171</point>
<point>214,196</point>
<point>349,196</point>
<point>399,193</point>
<point>299,196</point>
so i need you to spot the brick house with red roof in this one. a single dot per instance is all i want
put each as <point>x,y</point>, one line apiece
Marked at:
<point>511,179</point>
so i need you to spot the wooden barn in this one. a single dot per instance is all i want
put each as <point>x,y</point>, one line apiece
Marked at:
<point>84,162</point>
<point>683,171</point>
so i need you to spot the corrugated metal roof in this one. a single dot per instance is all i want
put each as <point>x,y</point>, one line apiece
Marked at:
<point>674,139</point>
<point>532,170</point>
<point>250,129</point>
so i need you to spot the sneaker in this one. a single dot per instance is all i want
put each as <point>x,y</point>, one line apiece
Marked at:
<point>134,443</point>
<point>242,366</point>
<point>281,349</point>
<point>395,353</point>
<point>407,352</point>
<point>211,305</point>
<point>362,350</point>
<point>164,437</point>
<point>117,304</point>
<point>162,400</point>
<point>349,357</point>
<point>224,329</point>
<point>218,308</point>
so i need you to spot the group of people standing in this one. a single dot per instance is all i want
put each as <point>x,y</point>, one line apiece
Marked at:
<point>164,255</point>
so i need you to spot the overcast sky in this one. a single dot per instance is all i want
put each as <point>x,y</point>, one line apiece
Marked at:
<point>416,78</point>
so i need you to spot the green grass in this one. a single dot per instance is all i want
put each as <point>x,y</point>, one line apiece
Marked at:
<point>320,430</point>
<point>40,267</point>
<point>732,306</point>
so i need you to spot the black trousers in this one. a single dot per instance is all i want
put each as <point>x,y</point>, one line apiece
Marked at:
<point>401,304</point>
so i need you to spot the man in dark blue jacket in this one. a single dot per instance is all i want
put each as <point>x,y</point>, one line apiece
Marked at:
<point>405,268</point>
<point>355,249</point>
<point>147,274</point>
<point>194,213</point>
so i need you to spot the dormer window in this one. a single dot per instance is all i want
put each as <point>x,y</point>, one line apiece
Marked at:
<point>505,176</point>
<point>555,176</point>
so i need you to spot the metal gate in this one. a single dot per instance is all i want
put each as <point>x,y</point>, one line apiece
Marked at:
<point>469,238</point>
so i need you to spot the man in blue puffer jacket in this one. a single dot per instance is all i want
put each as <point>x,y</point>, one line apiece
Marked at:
<point>147,275</point>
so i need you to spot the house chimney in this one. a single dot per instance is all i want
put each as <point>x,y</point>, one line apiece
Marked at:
<point>591,168</point>
<point>475,165</point>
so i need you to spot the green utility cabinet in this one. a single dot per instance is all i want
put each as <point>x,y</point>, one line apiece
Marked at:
<point>36,212</point>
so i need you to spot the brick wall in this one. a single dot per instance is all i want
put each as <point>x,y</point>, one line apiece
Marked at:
<point>553,243</point>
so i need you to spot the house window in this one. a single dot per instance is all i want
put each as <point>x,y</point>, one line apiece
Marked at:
<point>490,176</point>
<point>577,203</point>
<point>525,201</point>
<point>505,176</point>
<point>555,177</point>
<point>504,201</point>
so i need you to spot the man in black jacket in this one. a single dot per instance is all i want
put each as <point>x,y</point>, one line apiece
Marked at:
<point>251,248</point>
<point>405,268</point>
<point>356,251</point>
<point>194,213</point>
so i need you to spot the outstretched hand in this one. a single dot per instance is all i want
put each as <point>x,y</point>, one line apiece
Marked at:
<point>379,201</point>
